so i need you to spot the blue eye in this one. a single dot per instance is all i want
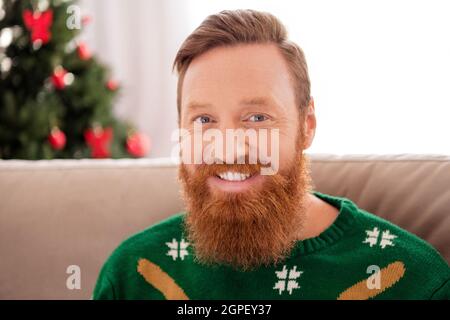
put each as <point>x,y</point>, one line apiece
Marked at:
<point>258,118</point>
<point>202,119</point>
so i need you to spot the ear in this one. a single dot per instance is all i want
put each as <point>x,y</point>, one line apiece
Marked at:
<point>310,124</point>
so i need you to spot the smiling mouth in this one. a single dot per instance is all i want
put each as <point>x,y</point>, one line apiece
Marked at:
<point>234,176</point>
<point>235,181</point>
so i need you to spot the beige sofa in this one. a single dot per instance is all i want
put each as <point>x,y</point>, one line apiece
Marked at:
<point>58,213</point>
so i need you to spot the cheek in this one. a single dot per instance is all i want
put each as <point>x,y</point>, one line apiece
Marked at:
<point>190,145</point>
<point>278,147</point>
<point>287,155</point>
<point>288,148</point>
<point>190,168</point>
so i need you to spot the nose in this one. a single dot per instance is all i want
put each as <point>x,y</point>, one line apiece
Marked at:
<point>234,144</point>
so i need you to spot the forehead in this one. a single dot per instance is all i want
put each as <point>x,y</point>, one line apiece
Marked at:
<point>237,72</point>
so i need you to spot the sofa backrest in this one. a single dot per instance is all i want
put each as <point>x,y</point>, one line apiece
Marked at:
<point>58,213</point>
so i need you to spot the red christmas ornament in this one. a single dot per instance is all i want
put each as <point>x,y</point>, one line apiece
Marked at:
<point>138,144</point>
<point>112,85</point>
<point>57,139</point>
<point>99,140</point>
<point>61,78</point>
<point>85,20</point>
<point>39,24</point>
<point>83,51</point>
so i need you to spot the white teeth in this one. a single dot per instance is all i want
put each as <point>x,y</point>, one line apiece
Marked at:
<point>234,176</point>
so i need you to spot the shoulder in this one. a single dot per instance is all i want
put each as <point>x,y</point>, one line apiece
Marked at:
<point>382,234</point>
<point>391,235</point>
<point>148,242</point>
<point>153,235</point>
<point>380,242</point>
<point>421,262</point>
<point>118,276</point>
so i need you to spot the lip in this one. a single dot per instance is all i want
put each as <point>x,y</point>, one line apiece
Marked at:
<point>215,183</point>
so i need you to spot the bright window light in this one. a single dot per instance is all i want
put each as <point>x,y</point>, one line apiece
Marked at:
<point>380,70</point>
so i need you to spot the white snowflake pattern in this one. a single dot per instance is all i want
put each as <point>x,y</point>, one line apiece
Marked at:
<point>373,238</point>
<point>177,249</point>
<point>287,280</point>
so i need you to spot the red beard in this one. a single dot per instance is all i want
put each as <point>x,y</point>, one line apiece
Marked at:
<point>248,229</point>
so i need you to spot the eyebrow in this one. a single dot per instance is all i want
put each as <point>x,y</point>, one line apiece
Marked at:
<point>265,102</point>
<point>195,105</point>
<point>255,101</point>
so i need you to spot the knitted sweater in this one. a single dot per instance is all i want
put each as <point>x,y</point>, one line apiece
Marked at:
<point>360,256</point>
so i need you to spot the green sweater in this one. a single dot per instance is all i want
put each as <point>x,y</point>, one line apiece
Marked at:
<point>360,256</point>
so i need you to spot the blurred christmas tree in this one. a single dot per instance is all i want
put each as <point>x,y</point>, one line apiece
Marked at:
<point>55,97</point>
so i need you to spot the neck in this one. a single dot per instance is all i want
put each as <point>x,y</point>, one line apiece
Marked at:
<point>319,215</point>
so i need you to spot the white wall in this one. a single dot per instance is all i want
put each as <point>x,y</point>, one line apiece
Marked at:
<point>380,70</point>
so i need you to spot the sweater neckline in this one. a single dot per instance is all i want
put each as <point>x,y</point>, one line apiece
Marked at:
<point>341,225</point>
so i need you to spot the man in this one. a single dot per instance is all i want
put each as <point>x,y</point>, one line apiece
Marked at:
<point>249,235</point>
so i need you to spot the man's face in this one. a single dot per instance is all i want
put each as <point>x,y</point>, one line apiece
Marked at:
<point>242,87</point>
<point>236,215</point>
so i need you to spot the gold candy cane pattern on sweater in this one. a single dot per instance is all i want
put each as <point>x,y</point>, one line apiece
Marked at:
<point>389,275</point>
<point>159,279</point>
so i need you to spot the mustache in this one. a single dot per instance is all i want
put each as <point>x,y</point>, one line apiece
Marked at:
<point>242,165</point>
